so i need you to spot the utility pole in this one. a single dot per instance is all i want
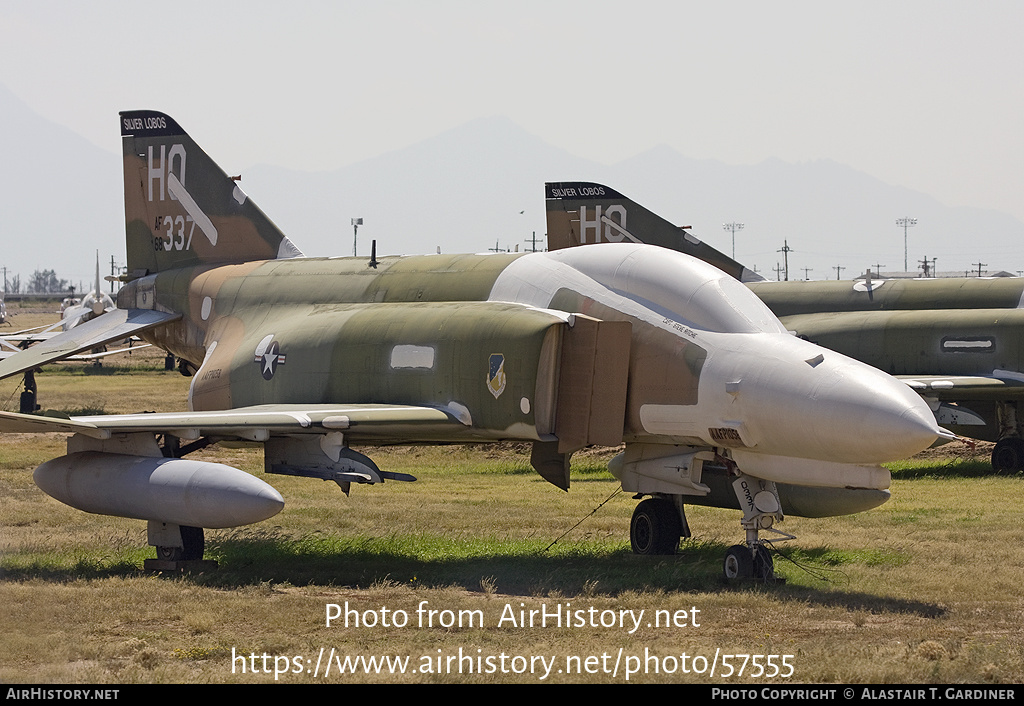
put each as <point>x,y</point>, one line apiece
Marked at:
<point>733,227</point>
<point>929,269</point>
<point>878,269</point>
<point>356,222</point>
<point>807,272</point>
<point>785,250</point>
<point>905,223</point>
<point>778,272</point>
<point>495,248</point>
<point>838,269</point>
<point>533,242</point>
<point>979,265</point>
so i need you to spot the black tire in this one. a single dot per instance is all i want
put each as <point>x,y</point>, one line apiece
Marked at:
<point>195,543</point>
<point>655,527</point>
<point>1008,455</point>
<point>764,567</point>
<point>739,563</point>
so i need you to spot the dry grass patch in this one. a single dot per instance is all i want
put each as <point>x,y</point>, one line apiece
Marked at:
<point>923,589</point>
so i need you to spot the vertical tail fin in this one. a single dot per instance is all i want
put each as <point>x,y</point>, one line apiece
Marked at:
<point>579,213</point>
<point>181,209</point>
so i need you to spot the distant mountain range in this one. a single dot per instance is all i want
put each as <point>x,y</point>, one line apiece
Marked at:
<point>479,186</point>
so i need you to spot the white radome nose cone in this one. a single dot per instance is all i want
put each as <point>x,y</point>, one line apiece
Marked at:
<point>837,410</point>
<point>873,418</point>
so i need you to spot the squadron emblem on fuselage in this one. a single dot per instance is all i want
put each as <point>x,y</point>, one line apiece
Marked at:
<point>496,374</point>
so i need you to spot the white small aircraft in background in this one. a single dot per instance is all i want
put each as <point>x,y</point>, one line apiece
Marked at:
<point>73,312</point>
<point>95,303</point>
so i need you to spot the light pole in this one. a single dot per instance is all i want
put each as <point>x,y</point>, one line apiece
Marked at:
<point>733,227</point>
<point>356,222</point>
<point>905,223</point>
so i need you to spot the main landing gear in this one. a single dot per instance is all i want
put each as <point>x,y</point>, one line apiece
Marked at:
<point>177,547</point>
<point>191,549</point>
<point>657,525</point>
<point>1008,455</point>
<point>28,403</point>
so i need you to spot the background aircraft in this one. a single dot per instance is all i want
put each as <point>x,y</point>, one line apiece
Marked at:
<point>93,304</point>
<point>585,346</point>
<point>74,311</point>
<point>958,342</point>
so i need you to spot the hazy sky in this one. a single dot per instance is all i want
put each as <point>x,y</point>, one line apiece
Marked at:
<point>922,93</point>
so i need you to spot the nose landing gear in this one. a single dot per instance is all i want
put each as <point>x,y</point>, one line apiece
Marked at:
<point>762,508</point>
<point>743,562</point>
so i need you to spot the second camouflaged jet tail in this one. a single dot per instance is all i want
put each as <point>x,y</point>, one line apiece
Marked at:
<point>581,213</point>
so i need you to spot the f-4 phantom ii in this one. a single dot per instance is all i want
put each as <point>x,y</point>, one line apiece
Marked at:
<point>715,402</point>
<point>958,342</point>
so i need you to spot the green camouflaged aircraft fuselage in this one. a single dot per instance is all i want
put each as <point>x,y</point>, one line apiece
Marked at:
<point>411,330</point>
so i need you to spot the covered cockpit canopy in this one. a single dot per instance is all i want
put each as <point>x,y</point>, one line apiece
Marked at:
<point>675,285</point>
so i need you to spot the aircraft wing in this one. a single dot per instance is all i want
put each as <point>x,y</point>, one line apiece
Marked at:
<point>114,325</point>
<point>29,337</point>
<point>365,422</point>
<point>1000,385</point>
<point>4,354</point>
<point>112,351</point>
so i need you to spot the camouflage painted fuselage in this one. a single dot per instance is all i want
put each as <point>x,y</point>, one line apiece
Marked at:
<point>411,331</point>
<point>792,298</point>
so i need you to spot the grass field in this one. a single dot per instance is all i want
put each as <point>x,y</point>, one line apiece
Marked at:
<point>926,588</point>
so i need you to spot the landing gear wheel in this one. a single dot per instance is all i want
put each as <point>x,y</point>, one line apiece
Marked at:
<point>764,567</point>
<point>655,527</point>
<point>168,553</point>
<point>1008,455</point>
<point>194,544</point>
<point>739,563</point>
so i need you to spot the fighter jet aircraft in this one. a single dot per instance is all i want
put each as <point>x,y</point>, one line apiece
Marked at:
<point>93,304</point>
<point>74,311</point>
<point>715,402</point>
<point>958,342</point>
